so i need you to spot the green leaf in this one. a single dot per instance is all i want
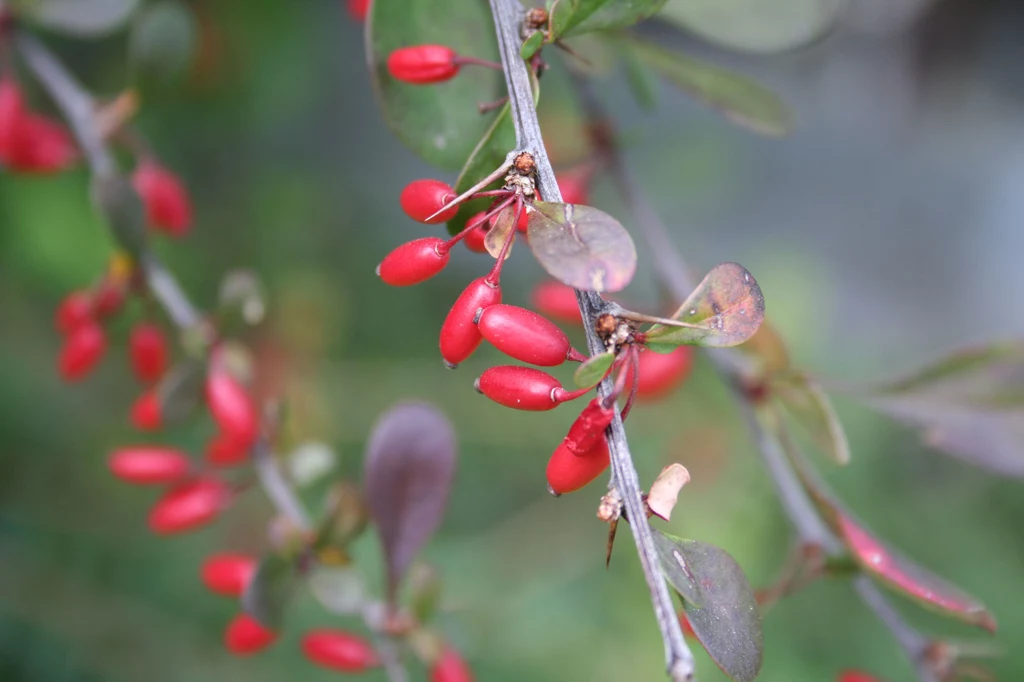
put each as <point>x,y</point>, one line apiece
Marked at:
<point>83,18</point>
<point>593,370</point>
<point>740,99</point>
<point>440,122</point>
<point>969,405</point>
<point>119,203</point>
<point>581,246</point>
<point>180,390</point>
<point>163,41</point>
<point>641,84</point>
<point>532,45</point>
<point>718,601</point>
<point>755,25</point>
<point>811,408</point>
<point>725,309</point>
<point>268,593</point>
<point>572,17</point>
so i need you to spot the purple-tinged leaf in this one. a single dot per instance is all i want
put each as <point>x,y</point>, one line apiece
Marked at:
<point>504,228</point>
<point>582,246</point>
<point>725,309</point>
<point>719,603</point>
<point>811,408</point>
<point>969,405</point>
<point>767,349</point>
<point>593,370</point>
<point>410,463</point>
<point>180,390</point>
<point>267,595</point>
<point>881,562</point>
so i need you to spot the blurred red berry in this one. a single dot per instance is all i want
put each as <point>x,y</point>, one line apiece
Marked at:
<point>245,636</point>
<point>223,450</point>
<point>338,650</point>
<point>521,388</point>
<point>450,667</point>
<point>414,262</point>
<point>684,623</point>
<point>149,464</point>
<point>589,427</point>
<point>188,506</point>
<point>232,408</point>
<point>11,111</point>
<point>573,186</point>
<point>568,471</point>
<point>474,239</point>
<point>82,349</point>
<point>556,300</point>
<point>147,350</point>
<point>459,334</point>
<point>524,335</point>
<point>110,298</point>
<point>660,373</point>
<point>74,311</point>
<point>358,9</point>
<point>168,206</point>
<point>145,412</point>
<point>227,573</point>
<point>856,676</point>
<point>423,64</point>
<point>423,198</point>
<point>30,143</point>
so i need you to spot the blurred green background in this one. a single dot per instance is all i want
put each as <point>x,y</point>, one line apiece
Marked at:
<point>885,231</point>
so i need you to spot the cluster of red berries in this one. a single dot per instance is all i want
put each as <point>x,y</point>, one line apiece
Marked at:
<point>478,314</point>
<point>30,142</point>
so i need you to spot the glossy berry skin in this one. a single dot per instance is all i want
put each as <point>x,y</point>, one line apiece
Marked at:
<point>589,427</point>
<point>145,413</point>
<point>521,388</point>
<point>81,351</point>
<point>524,335</point>
<point>358,9</point>
<point>244,636</point>
<point>450,667</point>
<point>147,350</point>
<point>414,262</point>
<point>856,676</point>
<point>661,373</point>
<point>223,450</point>
<point>421,199</point>
<point>231,407</point>
<point>459,335</point>
<point>474,239</point>
<point>73,312</point>
<point>573,187</point>
<point>149,465</point>
<point>557,301</point>
<point>30,143</point>
<point>423,64</point>
<point>339,650</point>
<point>188,506</point>
<point>168,206</point>
<point>228,573</point>
<point>568,471</point>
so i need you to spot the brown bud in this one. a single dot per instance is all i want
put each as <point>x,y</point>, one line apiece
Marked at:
<point>537,18</point>
<point>606,324</point>
<point>525,164</point>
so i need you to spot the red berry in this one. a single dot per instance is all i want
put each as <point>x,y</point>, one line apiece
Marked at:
<point>423,64</point>
<point>231,408</point>
<point>228,574</point>
<point>148,352</point>
<point>188,506</point>
<point>167,203</point>
<point>556,300</point>
<point>589,427</point>
<point>423,198</point>
<point>11,111</point>
<point>573,186</point>
<point>524,335</point>
<point>521,388</point>
<point>474,239</point>
<point>414,262</point>
<point>109,298</point>
<point>450,667</point>
<point>358,9</point>
<point>856,676</point>
<point>660,373</point>
<point>38,145</point>
<point>245,636</point>
<point>74,311</point>
<point>459,335</point>
<point>81,351</point>
<point>145,412</point>
<point>524,216</point>
<point>568,471</point>
<point>339,651</point>
<point>223,450</point>
<point>150,464</point>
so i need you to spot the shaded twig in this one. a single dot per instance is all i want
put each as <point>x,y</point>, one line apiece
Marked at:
<point>508,18</point>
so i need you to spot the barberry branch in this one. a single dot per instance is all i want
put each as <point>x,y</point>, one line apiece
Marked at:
<point>675,275</point>
<point>508,18</point>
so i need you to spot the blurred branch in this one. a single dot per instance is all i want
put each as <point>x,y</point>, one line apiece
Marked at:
<point>508,19</point>
<point>281,494</point>
<point>672,270</point>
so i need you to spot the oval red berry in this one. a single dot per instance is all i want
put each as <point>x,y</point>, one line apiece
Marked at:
<point>223,450</point>
<point>568,471</point>
<point>147,350</point>
<point>524,335</point>
<point>661,373</point>
<point>339,650</point>
<point>474,239</point>
<point>556,300</point>
<point>459,335</point>
<point>188,506</point>
<point>168,206</point>
<point>521,388</point>
<point>231,407</point>
<point>423,64</point>
<point>145,412</point>
<point>421,199</point>
<point>74,311</point>
<point>228,574</point>
<point>149,465</point>
<point>245,636</point>
<point>589,427</point>
<point>81,351</point>
<point>414,262</point>
<point>450,667</point>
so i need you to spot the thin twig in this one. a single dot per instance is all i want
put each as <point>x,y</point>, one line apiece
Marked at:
<point>281,494</point>
<point>508,17</point>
